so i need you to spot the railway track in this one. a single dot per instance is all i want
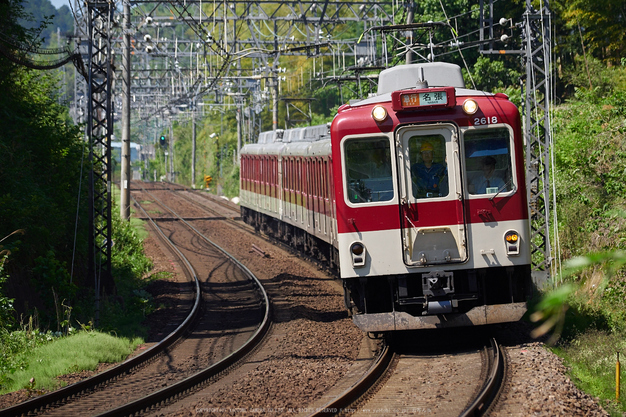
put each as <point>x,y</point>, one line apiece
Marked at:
<point>462,384</point>
<point>204,392</point>
<point>170,369</point>
<point>484,368</point>
<point>480,375</point>
<point>306,339</point>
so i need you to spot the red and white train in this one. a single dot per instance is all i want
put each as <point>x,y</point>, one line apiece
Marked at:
<point>416,195</point>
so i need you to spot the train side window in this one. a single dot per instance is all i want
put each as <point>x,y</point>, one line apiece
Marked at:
<point>488,160</point>
<point>368,170</point>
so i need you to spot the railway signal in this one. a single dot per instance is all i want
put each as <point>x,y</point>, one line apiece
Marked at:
<point>163,141</point>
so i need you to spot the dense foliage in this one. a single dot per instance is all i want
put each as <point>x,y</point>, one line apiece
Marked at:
<point>42,181</point>
<point>590,157</point>
<point>44,187</point>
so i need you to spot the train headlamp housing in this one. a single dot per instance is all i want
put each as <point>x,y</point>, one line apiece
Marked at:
<point>511,242</point>
<point>470,106</point>
<point>379,113</point>
<point>358,252</point>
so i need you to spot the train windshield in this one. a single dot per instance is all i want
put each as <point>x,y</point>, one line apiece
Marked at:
<point>368,170</point>
<point>429,172</point>
<point>488,160</point>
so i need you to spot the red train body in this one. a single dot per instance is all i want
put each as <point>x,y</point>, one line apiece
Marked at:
<point>416,196</point>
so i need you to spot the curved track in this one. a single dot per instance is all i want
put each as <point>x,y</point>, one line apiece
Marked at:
<point>170,369</point>
<point>469,390</point>
<point>462,383</point>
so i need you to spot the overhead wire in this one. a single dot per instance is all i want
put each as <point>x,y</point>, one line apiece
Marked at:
<point>557,271</point>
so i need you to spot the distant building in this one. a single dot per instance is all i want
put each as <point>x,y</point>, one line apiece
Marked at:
<point>116,151</point>
<point>135,155</point>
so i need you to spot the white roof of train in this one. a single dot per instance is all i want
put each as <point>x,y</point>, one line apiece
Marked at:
<point>402,77</point>
<point>436,74</point>
<point>310,140</point>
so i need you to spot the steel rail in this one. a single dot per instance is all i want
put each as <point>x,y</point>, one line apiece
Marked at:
<point>493,385</point>
<point>360,388</point>
<point>215,200</point>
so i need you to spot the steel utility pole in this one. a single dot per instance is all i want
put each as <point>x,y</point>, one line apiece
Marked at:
<point>125,151</point>
<point>99,130</point>
<point>537,45</point>
<point>193,143</point>
<point>536,52</point>
<point>409,20</point>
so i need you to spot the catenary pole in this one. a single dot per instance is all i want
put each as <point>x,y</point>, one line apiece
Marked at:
<point>125,150</point>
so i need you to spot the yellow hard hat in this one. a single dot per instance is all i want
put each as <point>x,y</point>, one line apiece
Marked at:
<point>427,147</point>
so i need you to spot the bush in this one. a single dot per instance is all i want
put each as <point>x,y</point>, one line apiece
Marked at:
<point>6,304</point>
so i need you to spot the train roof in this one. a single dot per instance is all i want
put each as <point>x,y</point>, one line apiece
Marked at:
<point>307,148</point>
<point>436,74</point>
<point>430,74</point>
<point>274,148</point>
<point>310,140</point>
<point>296,134</point>
<point>302,148</point>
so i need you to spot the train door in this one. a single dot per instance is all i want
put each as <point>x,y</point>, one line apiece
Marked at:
<point>431,206</point>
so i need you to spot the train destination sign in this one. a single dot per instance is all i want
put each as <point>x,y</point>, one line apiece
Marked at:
<point>423,99</point>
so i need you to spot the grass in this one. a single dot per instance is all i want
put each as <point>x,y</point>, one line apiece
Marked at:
<point>75,353</point>
<point>592,333</point>
<point>140,227</point>
<point>31,358</point>
<point>591,358</point>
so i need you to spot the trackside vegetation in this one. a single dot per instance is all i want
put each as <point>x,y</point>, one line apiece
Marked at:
<point>587,308</point>
<point>46,298</point>
<point>48,357</point>
<point>31,358</point>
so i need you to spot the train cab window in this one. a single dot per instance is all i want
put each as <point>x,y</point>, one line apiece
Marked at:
<point>368,170</point>
<point>429,170</point>
<point>488,160</point>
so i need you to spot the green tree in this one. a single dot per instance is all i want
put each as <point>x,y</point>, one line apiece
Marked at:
<point>596,24</point>
<point>42,176</point>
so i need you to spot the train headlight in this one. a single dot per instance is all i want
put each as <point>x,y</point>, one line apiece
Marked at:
<point>511,242</point>
<point>379,113</point>
<point>470,106</point>
<point>358,252</point>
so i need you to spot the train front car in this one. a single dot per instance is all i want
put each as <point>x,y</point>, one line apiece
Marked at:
<point>432,215</point>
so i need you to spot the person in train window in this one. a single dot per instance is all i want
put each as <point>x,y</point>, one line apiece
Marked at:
<point>427,174</point>
<point>488,182</point>
<point>381,163</point>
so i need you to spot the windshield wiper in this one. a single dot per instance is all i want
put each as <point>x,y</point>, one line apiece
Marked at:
<point>501,189</point>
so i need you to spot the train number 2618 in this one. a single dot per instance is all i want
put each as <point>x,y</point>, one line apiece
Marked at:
<point>485,120</point>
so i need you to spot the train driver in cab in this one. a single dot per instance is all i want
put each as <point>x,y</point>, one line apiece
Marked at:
<point>427,175</point>
<point>488,182</point>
